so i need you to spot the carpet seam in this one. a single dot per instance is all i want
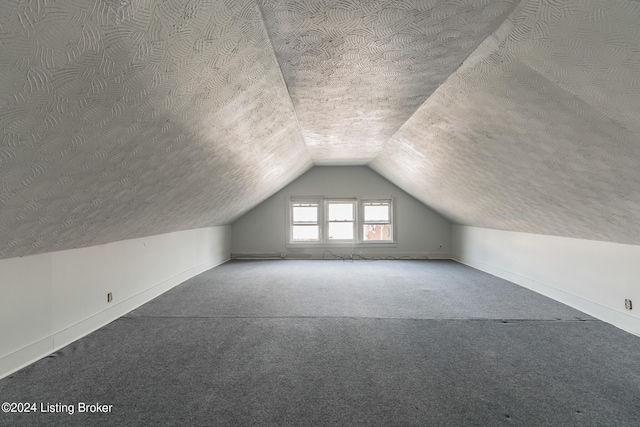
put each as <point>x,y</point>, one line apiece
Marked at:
<point>365,318</point>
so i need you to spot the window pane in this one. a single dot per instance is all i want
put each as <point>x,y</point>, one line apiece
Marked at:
<point>376,213</point>
<point>340,231</point>
<point>340,212</point>
<point>305,214</point>
<point>375,232</point>
<point>305,233</point>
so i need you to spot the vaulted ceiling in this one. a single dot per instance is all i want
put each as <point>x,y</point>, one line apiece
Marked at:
<point>127,118</point>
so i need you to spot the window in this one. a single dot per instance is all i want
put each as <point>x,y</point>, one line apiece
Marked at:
<point>328,221</point>
<point>376,221</point>
<point>340,220</point>
<point>305,226</point>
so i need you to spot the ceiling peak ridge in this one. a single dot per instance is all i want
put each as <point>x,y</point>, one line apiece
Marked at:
<point>568,93</point>
<point>488,46</point>
<point>284,82</point>
<point>494,40</point>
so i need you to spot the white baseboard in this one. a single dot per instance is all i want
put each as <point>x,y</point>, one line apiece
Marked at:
<point>315,255</point>
<point>607,314</point>
<point>25,356</point>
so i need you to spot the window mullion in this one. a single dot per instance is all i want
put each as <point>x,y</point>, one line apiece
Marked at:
<point>340,220</point>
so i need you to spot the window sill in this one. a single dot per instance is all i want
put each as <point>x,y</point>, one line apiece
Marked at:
<point>307,245</point>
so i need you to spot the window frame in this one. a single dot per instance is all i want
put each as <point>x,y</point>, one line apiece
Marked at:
<point>318,223</point>
<point>327,221</point>
<point>389,222</point>
<point>358,222</point>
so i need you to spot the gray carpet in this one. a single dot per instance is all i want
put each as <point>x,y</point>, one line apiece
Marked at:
<point>342,343</point>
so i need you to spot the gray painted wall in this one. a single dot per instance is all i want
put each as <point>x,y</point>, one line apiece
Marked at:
<point>420,230</point>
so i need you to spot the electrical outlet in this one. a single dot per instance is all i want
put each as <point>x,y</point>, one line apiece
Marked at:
<point>283,255</point>
<point>109,297</point>
<point>627,304</point>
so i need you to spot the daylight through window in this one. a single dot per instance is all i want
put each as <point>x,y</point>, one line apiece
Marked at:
<point>305,225</point>
<point>338,221</point>
<point>377,221</point>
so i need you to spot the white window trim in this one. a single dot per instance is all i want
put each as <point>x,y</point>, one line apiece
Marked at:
<point>290,224</point>
<point>325,225</point>
<point>358,222</point>
<point>391,222</point>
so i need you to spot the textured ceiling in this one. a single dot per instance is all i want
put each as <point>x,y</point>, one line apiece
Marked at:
<point>126,118</point>
<point>358,69</point>
<point>122,119</point>
<point>539,130</point>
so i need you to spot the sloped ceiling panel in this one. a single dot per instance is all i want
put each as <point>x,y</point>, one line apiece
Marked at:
<point>126,118</point>
<point>538,131</point>
<point>121,119</point>
<point>358,69</point>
